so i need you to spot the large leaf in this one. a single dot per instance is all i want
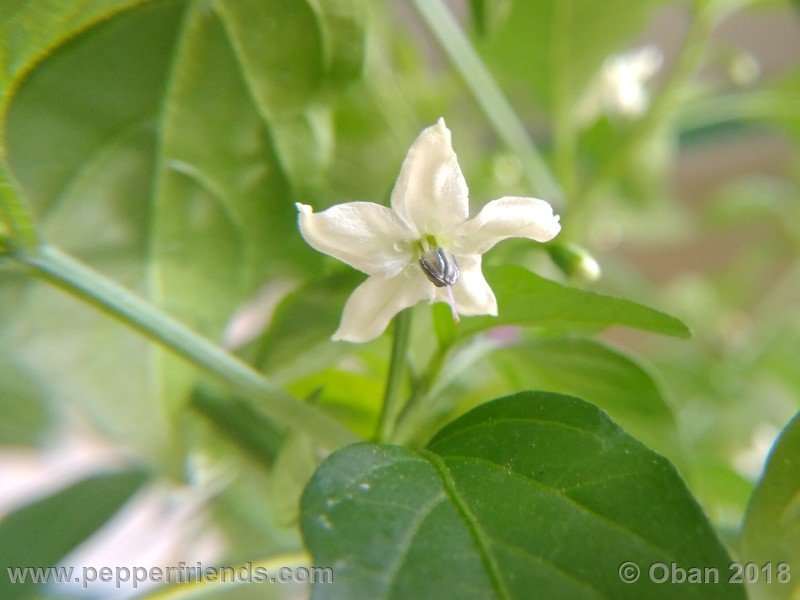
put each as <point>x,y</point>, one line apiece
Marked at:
<point>151,145</point>
<point>524,298</point>
<point>772,524</point>
<point>605,377</point>
<point>32,29</point>
<point>41,534</point>
<point>536,494</point>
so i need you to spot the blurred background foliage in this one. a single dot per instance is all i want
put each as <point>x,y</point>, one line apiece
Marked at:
<point>165,142</point>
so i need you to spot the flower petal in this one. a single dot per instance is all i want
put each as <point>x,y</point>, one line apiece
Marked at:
<point>372,305</point>
<point>472,293</point>
<point>505,218</point>
<point>431,192</point>
<point>364,235</point>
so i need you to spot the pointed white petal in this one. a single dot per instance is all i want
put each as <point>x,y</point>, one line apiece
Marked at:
<point>364,235</point>
<point>505,218</point>
<point>431,193</point>
<point>472,293</point>
<point>373,304</point>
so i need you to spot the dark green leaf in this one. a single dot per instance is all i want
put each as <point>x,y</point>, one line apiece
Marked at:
<point>772,524</point>
<point>534,494</point>
<point>524,298</point>
<point>41,534</point>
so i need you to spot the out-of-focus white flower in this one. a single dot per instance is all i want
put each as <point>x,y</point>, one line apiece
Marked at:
<point>750,461</point>
<point>620,88</point>
<point>424,247</point>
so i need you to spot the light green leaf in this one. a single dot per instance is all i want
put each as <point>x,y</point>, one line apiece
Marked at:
<point>22,405</point>
<point>343,33</point>
<point>146,144</point>
<point>288,51</point>
<point>305,319</point>
<point>297,461</point>
<point>32,29</point>
<point>599,374</point>
<point>41,534</point>
<point>489,15</point>
<point>239,421</point>
<point>280,49</point>
<point>533,493</point>
<point>524,298</point>
<point>354,398</point>
<point>771,531</point>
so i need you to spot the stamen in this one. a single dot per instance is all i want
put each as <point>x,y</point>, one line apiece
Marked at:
<point>452,302</point>
<point>439,266</point>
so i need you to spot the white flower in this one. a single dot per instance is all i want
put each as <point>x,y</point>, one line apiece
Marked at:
<point>424,247</point>
<point>621,86</point>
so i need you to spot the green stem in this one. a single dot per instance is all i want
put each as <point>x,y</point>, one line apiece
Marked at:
<point>392,398</point>
<point>425,404</point>
<point>489,96</point>
<point>65,272</point>
<point>407,422</point>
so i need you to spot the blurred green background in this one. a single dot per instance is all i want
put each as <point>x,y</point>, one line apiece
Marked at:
<point>165,142</point>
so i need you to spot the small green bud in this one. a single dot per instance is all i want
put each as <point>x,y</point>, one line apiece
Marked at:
<point>574,261</point>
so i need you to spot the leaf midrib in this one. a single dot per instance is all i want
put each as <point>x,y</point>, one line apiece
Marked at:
<point>568,500</point>
<point>481,539</point>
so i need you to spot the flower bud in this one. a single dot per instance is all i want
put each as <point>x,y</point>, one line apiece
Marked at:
<point>575,262</point>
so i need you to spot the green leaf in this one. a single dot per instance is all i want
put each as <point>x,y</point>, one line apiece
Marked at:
<point>41,534</point>
<point>242,423</point>
<point>296,463</point>
<point>489,15</point>
<point>303,320</point>
<point>343,38</point>
<point>533,492</point>
<point>599,374</point>
<point>280,49</point>
<point>147,143</point>
<point>353,398</point>
<point>22,405</point>
<point>33,29</point>
<point>771,531</point>
<point>524,298</point>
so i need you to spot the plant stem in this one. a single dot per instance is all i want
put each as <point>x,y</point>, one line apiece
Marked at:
<point>490,97</point>
<point>392,399</point>
<point>67,273</point>
<point>414,421</point>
